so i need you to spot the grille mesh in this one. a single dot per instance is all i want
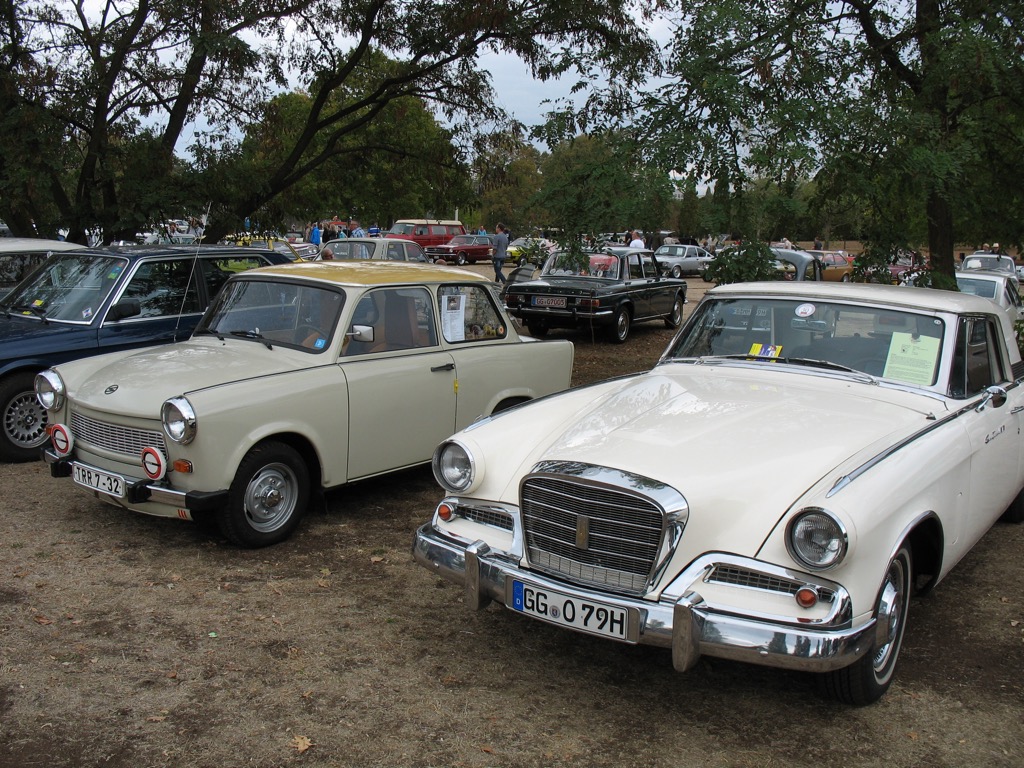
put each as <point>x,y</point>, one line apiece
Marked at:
<point>621,532</point>
<point>486,517</point>
<point>744,577</point>
<point>113,437</point>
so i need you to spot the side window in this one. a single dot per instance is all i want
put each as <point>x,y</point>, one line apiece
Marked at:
<point>977,362</point>
<point>217,271</point>
<point>635,270</point>
<point>439,229</point>
<point>160,287</point>
<point>395,252</point>
<point>415,253</point>
<point>647,260</point>
<point>421,230</point>
<point>401,319</point>
<point>468,313</point>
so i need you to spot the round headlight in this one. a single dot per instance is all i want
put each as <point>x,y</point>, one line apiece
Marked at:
<point>49,390</point>
<point>179,420</point>
<point>454,467</point>
<point>817,539</point>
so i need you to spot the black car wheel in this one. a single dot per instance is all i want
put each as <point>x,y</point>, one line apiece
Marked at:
<point>675,318</point>
<point>268,496</point>
<point>537,329</point>
<point>24,418</point>
<point>868,678</point>
<point>460,259</point>
<point>620,328</point>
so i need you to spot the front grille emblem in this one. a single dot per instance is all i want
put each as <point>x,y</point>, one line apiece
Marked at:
<point>582,532</point>
<point>110,390</point>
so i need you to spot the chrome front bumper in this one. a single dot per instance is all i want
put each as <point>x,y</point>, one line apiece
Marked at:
<point>140,491</point>
<point>687,625</point>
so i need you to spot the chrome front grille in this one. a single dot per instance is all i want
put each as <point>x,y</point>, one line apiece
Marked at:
<point>114,437</point>
<point>593,533</point>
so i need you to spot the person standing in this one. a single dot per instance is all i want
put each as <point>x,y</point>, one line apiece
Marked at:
<point>314,234</point>
<point>500,253</point>
<point>355,229</point>
<point>637,241</point>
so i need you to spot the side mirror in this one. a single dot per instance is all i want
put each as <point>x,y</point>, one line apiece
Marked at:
<point>361,333</point>
<point>125,308</point>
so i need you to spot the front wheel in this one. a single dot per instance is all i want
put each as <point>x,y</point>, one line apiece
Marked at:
<point>620,328</point>
<point>868,678</point>
<point>268,496</point>
<point>677,272</point>
<point>24,418</point>
<point>675,318</point>
<point>523,261</point>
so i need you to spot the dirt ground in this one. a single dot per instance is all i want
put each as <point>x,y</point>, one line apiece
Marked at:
<point>128,641</point>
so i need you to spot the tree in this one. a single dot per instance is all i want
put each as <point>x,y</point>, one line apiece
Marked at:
<point>593,183</point>
<point>914,105</point>
<point>108,97</point>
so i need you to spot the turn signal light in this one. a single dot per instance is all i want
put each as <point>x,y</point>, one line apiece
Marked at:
<point>806,597</point>
<point>445,511</point>
<point>182,465</point>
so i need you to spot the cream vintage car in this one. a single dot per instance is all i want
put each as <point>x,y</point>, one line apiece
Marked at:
<point>803,458</point>
<point>299,378</point>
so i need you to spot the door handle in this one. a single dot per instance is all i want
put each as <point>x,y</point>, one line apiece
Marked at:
<point>445,367</point>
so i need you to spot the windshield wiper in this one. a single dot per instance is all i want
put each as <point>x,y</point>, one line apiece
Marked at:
<point>207,331</point>
<point>805,361</point>
<point>253,335</point>
<point>22,308</point>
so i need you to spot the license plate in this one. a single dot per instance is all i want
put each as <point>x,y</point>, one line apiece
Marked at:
<point>549,301</point>
<point>568,611</point>
<point>104,482</point>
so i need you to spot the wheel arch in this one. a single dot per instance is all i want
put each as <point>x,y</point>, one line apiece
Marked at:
<point>926,540</point>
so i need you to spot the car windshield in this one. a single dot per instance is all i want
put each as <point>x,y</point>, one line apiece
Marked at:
<point>877,340</point>
<point>272,312</point>
<point>604,265</point>
<point>997,263</point>
<point>461,240</point>
<point>69,287</point>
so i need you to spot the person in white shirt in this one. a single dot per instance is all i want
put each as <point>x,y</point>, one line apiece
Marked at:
<point>637,241</point>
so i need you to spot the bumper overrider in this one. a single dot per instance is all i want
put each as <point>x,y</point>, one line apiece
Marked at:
<point>685,623</point>
<point>140,491</point>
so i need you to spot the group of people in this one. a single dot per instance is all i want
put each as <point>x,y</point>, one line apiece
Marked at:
<point>319,232</point>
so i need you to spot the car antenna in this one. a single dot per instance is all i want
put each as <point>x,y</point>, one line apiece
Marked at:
<point>192,273</point>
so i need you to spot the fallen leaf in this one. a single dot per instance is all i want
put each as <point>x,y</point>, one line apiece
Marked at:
<point>42,620</point>
<point>301,743</point>
<point>323,583</point>
<point>1014,623</point>
<point>325,571</point>
<point>1004,599</point>
<point>488,750</point>
<point>156,718</point>
<point>376,559</point>
<point>913,735</point>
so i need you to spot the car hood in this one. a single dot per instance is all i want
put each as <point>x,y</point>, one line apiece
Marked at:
<point>26,333</point>
<point>137,384</point>
<point>726,435</point>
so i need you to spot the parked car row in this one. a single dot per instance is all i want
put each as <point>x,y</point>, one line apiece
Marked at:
<point>878,427</point>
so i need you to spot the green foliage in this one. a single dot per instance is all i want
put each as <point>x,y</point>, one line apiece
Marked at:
<point>750,261</point>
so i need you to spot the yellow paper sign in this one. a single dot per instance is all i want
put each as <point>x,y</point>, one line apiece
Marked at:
<point>912,358</point>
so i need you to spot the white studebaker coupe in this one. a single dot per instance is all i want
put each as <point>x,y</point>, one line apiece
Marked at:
<point>803,457</point>
<point>298,378</point>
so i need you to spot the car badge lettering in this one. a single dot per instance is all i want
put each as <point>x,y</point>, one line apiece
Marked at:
<point>583,532</point>
<point>110,390</point>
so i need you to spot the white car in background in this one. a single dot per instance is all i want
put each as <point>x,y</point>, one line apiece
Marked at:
<point>804,457</point>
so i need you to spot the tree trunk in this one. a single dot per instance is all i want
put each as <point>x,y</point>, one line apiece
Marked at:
<point>940,233</point>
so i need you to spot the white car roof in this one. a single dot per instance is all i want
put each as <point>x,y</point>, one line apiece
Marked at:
<point>926,299</point>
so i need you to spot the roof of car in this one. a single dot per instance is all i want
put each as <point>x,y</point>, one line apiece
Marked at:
<point>35,244</point>
<point>370,272</point>
<point>904,296</point>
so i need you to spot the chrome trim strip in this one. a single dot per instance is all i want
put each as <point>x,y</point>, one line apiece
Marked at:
<point>848,478</point>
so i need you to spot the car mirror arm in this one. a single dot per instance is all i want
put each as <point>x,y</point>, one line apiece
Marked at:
<point>362,333</point>
<point>995,395</point>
